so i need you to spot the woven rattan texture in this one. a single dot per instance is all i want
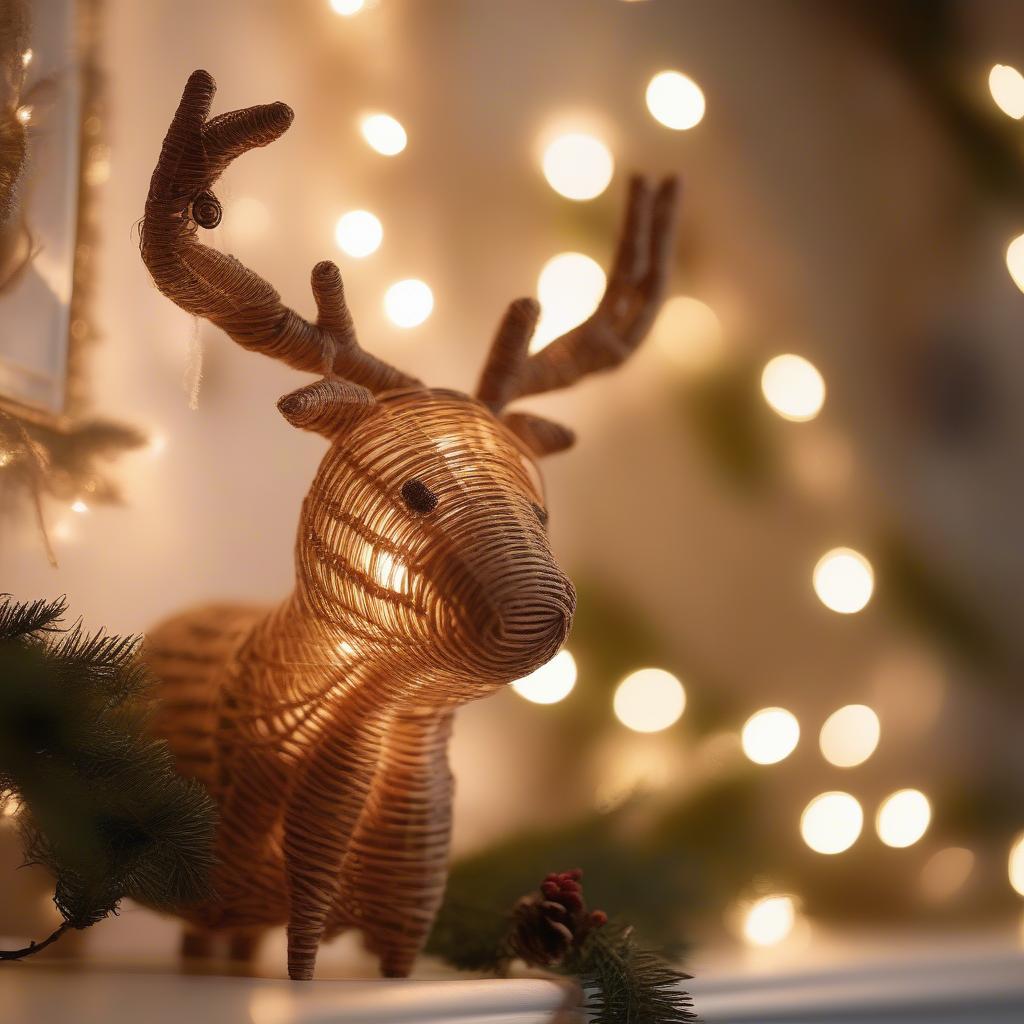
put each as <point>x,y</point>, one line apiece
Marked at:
<point>424,579</point>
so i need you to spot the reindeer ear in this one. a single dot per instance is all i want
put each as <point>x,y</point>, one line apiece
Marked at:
<point>541,436</point>
<point>329,406</point>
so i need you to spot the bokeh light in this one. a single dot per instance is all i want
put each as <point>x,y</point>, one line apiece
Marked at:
<point>769,920</point>
<point>346,8</point>
<point>358,233</point>
<point>1006,84</point>
<point>903,818</point>
<point>383,133</point>
<point>1015,865</point>
<point>831,822</point>
<point>689,332</point>
<point>850,735</point>
<point>408,303</point>
<point>649,700</point>
<point>578,166</point>
<point>24,114</point>
<point>770,735</point>
<point>675,100</point>
<point>1015,261</point>
<point>843,580</point>
<point>569,287</point>
<point>551,682</point>
<point>793,387</point>
<point>945,873</point>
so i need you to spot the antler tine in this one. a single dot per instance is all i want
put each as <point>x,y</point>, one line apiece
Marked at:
<point>507,353</point>
<point>635,291</point>
<point>216,286</point>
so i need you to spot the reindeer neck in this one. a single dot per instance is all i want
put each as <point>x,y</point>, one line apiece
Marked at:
<point>291,656</point>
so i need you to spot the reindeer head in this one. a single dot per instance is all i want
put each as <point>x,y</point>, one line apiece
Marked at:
<point>424,530</point>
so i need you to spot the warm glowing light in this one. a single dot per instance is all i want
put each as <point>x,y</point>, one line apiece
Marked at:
<point>850,735</point>
<point>1015,261</point>
<point>23,114</point>
<point>344,647</point>
<point>389,571</point>
<point>384,134</point>
<point>770,735</point>
<point>157,445</point>
<point>346,8</point>
<point>79,506</point>
<point>358,233</point>
<point>649,700</point>
<point>97,166</point>
<point>675,100</point>
<point>769,920</point>
<point>1006,84</point>
<point>1015,865</point>
<point>569,287</point>
<point>792,386</point>
<point>945,873</point>
<point>689,332</point>
<point>408,303</point>
<point>903,818</point>
<point>831,822</point>
<point>63,530</point>
<point>843,580</point>
<point>10,807</point>
<point>578,166</point>
<point>551,682</point>
<point>26,58</point>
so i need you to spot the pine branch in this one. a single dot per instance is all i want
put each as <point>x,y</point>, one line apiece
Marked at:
<point>552,928</point>
<point>628,984</point>
<point>102,806</point>
<point>19,621</point>
<point>34,947</point>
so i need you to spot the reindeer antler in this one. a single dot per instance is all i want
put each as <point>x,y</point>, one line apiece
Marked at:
<point>630,303</point>
<point>210,284</point>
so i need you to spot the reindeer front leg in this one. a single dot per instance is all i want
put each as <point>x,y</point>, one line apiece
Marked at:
<point>395,870</point>
<point>322,813</point>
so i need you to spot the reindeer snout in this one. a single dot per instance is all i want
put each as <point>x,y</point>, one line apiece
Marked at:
<point>530,623</point>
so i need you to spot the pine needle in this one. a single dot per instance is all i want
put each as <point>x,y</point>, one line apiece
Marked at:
<point>23,621</point>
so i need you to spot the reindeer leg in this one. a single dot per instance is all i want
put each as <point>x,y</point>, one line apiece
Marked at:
<point>196,944</point>
<point>244,945</point>
<point>397,863</point>
<point>321,817</point>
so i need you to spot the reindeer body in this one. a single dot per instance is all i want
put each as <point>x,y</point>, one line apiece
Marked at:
<point>424,578</point>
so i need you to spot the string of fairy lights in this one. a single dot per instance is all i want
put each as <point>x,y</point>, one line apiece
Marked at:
<point>579,166</point>
<point>1006,85</point>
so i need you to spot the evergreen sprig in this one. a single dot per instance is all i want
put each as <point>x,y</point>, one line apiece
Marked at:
<point>624,982</point>
<point>628,984</point>
<point>101,803</point>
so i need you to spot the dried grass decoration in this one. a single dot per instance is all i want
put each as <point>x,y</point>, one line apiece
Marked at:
<point>424,577</point>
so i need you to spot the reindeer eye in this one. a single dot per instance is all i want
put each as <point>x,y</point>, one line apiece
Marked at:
<point>419,497</point>
<point>542,513</point>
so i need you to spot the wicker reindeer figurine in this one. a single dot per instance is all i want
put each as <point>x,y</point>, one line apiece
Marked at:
<point>424,578</point>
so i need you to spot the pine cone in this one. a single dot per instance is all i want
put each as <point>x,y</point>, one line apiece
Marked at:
<point>548,925</point>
